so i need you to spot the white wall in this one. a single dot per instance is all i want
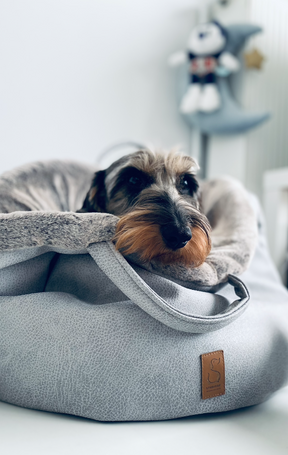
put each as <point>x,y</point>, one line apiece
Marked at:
<point>267,146</point>
<point>78,75</point>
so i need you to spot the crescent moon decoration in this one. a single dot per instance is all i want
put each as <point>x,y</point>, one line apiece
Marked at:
<point>230,118</point>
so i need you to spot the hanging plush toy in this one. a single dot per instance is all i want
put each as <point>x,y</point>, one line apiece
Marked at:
<point>207,59</point>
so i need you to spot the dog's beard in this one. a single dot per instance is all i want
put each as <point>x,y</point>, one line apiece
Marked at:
<point>144,238</point>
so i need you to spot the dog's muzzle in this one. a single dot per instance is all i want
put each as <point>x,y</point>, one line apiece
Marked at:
<point>175,237</point>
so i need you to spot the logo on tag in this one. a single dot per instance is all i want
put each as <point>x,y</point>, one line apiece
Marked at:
<point>213,374</point>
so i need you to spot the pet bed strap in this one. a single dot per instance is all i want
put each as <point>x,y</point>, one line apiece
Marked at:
<point>119,271</point>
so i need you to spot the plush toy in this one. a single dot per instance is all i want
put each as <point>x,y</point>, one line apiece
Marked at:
<point>207,59</point>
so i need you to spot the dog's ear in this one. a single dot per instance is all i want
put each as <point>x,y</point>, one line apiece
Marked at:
<point>95,200</point>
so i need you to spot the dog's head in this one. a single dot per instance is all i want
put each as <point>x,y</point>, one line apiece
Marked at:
<point>156,197</point>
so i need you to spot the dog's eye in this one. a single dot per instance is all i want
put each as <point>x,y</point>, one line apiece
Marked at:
<point>188,185</point>
<point>184,186</point>
<point>135,180</point>
<point>131,180</point>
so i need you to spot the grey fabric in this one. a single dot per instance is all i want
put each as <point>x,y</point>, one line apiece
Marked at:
<point>49,192</point>
<point>73,341</point>
<point>178,315</point>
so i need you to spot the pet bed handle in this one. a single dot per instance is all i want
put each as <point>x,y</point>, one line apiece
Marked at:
<point>115,266</point>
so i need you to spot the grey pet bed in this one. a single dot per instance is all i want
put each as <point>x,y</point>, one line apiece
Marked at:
<point>85,332</point>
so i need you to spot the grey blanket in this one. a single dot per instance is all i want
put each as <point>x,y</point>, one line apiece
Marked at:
<point>51,192</point>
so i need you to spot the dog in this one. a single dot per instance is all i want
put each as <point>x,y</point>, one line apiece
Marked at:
<point>156,197</point>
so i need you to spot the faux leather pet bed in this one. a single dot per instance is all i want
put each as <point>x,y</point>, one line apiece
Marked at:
<point>85,332</point>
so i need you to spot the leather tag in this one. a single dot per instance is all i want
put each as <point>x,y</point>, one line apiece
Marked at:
<point>213,374</point>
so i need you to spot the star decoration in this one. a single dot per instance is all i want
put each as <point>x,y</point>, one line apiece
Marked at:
<point>254,59</point>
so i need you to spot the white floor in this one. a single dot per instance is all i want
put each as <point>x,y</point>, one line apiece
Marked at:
<point>258,430</point>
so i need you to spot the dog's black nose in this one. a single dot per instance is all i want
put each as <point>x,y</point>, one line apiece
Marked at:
<point>175,237</point>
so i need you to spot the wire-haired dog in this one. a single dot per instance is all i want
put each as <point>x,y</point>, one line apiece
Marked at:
<point>156,197</point>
